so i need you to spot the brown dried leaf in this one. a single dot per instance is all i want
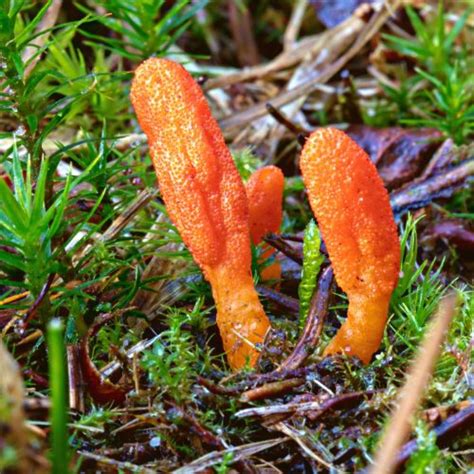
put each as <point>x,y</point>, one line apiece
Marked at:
<point>400,154</point>
<point>453,232</point>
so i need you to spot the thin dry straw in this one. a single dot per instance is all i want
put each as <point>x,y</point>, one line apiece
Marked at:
<point>410,395</point>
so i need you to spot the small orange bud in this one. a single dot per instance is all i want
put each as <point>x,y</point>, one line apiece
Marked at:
<point>265,197</point>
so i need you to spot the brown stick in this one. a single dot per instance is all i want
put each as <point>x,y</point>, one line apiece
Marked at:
<point>314,323</point>
<point>280,244</point>
<point>410,394</point>
<point>76,384</point>
<point>309,46</point>
<point>287,303</point>
<point>294,25</point>
<point>462,423</point>
<point>281,118</point>
<point>272,389</point>
<point>441,184</point>
<point>313,410</point>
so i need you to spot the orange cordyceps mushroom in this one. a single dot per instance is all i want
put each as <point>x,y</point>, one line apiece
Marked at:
<point>204,196</point>
<point>265,197</point>
<point>353,211</point>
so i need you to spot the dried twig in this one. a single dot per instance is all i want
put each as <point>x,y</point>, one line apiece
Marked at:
<point>314,322</point>
<point>281,118</point>
<point>442,184</point>
<point>76,384</point>
<point>294,25</point>
<point>271,389</point>
<point>280,244</point>
<point>286,302</point>
<point>410,394</point>
<point>123,219</point>
<point>297,437</point>
<point>316,408</point>
<point>460,424</point>
<point>118,465</point>
<point>217,389</point>
<point>238,453</point>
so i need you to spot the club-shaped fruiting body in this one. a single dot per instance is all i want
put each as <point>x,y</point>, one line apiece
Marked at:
<point>353,211</point>
<point>204,196</point>
<point>265,199</point>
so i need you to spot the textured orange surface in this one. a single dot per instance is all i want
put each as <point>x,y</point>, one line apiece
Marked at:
<point>265,193</point>
<point>265,197</point>
<point>204,196</point>
<point>353,211</point>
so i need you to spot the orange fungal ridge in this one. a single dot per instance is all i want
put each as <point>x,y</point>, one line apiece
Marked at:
<point>265,197</point>
<point>204,196</point>
<point>353,211</point>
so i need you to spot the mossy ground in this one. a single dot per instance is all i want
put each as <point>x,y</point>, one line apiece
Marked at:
<point>84,235</point>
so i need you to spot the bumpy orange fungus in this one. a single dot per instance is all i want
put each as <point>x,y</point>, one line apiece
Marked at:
<point>265,197</point>
<point>204,196</point>
<point>353,212</point>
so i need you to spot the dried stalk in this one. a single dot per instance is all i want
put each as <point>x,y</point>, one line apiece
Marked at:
<point>294,25</point>
<point>399,425</point>
<point>238,453</point>
<point>314,323</point>
<point>272,389</point>
<point>442,184</point>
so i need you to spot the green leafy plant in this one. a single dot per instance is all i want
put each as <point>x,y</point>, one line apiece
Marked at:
<point>427,456</point>
<point>143,29</point>
<point>418,291</point>
<point>312,261</point>
<point>29,226</point>
<point>175,357</point>
<point>441,93</point>
<point>35,108</point>
<point>432,46</point>
<point>452,100</point>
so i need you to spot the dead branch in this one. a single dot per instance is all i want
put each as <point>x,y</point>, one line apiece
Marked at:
<point>442,184</point>
<point>314,322</point>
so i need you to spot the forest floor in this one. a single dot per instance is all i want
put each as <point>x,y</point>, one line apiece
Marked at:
<point>110,357</point>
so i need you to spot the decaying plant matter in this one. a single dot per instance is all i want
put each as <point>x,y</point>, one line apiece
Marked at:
<point>86,238</point>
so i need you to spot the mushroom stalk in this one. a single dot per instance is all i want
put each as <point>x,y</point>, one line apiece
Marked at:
<point>204,196</point>
<point>353,211</point>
